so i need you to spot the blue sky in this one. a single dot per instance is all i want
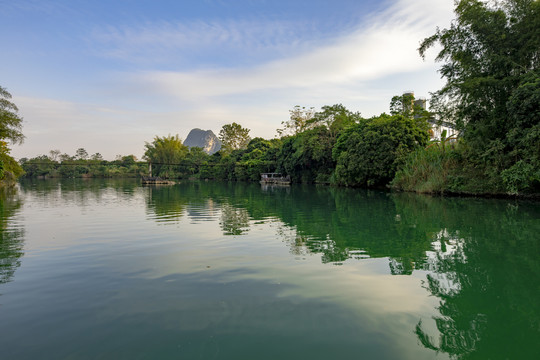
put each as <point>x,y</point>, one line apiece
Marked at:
<point>110,75</point>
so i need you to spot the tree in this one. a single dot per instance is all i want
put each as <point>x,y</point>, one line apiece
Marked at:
<point>307,156</point>
<point>408,106</point>
<point>335,118</point>
<point>65,157</point>
<point>299,121</point>
<point>10,129</point>
<point>165,153</point>
<point>96,157</point>
<point>369,153</point>
<point>234,137</point>
<point>488,52</point>
<point>81,154</point>
<point>128,160</point>
<point>10,169</point>
<point>10,121</point>
<point>53,154</point>
<point>195,158</point>
<point>491,62</point>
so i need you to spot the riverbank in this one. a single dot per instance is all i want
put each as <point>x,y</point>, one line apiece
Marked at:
<point>454,171</point>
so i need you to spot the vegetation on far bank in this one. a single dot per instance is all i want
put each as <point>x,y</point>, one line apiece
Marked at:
<point>490,60</point>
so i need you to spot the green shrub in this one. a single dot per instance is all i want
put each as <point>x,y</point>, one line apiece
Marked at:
<point>521,177</point>
<point>370,153</point>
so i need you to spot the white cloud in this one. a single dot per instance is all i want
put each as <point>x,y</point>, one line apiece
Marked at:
<point>385,46</point>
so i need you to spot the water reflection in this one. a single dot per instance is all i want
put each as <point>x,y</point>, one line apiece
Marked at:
<point>165,203</point>
<point>80,191</point>
<point>486,273</point>
<point>11,234</point>
<point>419,276</point>
<point>234,220</point>
<point>479,257</point>
<point>340,224</point>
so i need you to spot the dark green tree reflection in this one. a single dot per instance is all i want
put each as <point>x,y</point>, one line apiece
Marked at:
<point>485,269</point>
<point>11,235</point>
<point>480,256</point>
<point>166,203</point>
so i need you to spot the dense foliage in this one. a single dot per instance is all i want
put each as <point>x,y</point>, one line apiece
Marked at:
<point>335,146</point>
<point>10,170</point>
<point>65,166</point>
<point>491,62</point>
<point>369,154</point>
<point>233,137</point>
<point>10,121</point>
<point>10,130</point>
<point>163,152</point>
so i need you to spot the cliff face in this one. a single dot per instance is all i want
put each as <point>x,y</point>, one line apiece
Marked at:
<point>206,140</point>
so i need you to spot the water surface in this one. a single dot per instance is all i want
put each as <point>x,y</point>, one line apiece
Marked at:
<point>112,270</point>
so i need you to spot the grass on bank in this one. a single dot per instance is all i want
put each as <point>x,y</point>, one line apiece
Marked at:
<point>451,170</point>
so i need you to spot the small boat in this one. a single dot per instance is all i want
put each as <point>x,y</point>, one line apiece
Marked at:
<point>275,178</point>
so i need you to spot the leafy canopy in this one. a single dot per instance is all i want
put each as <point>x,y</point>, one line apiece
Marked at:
<point>486,53</point>
<point>369,154</point>
<point>10,121</point>
<point>491,62</point>
<point>234,137</point>
<point>165,150</point>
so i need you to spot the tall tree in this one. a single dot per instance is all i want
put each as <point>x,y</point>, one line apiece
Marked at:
<point>165,153</point>
<point>81,154</point>
<point>335,118</point>
<point>234,137</point>
<point>487,52</point>
<point>491,62</point>
<point>299,120</point>
<point>53,154</point>
<point>96,157</point>
<point>10,121</point>
<point>411,108</point>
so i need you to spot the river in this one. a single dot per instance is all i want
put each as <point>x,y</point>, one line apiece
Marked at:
<point>108,269</point>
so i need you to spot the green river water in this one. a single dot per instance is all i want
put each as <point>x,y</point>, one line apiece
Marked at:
<point>103,269</point>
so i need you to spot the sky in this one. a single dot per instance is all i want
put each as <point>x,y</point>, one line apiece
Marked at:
<point>109,76</point>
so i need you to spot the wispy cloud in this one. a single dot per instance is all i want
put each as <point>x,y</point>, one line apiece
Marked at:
<point>384,46</point>
<point>206,42</point>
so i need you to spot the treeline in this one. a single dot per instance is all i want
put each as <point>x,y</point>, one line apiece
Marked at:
<point>57,165</point>
<point>333,145</point>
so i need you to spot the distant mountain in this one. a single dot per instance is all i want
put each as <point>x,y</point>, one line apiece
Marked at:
<point>206,140</point>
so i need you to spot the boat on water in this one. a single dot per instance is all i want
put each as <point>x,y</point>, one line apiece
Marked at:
<point>275,178</point>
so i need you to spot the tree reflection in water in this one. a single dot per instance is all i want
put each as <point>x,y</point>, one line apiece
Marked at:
<point>234,220</point>
<point>484,268</point>
<point>480,257</point>
<point>11,234</point>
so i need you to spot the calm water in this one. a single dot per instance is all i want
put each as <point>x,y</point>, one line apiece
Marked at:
<point>112,270</point>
